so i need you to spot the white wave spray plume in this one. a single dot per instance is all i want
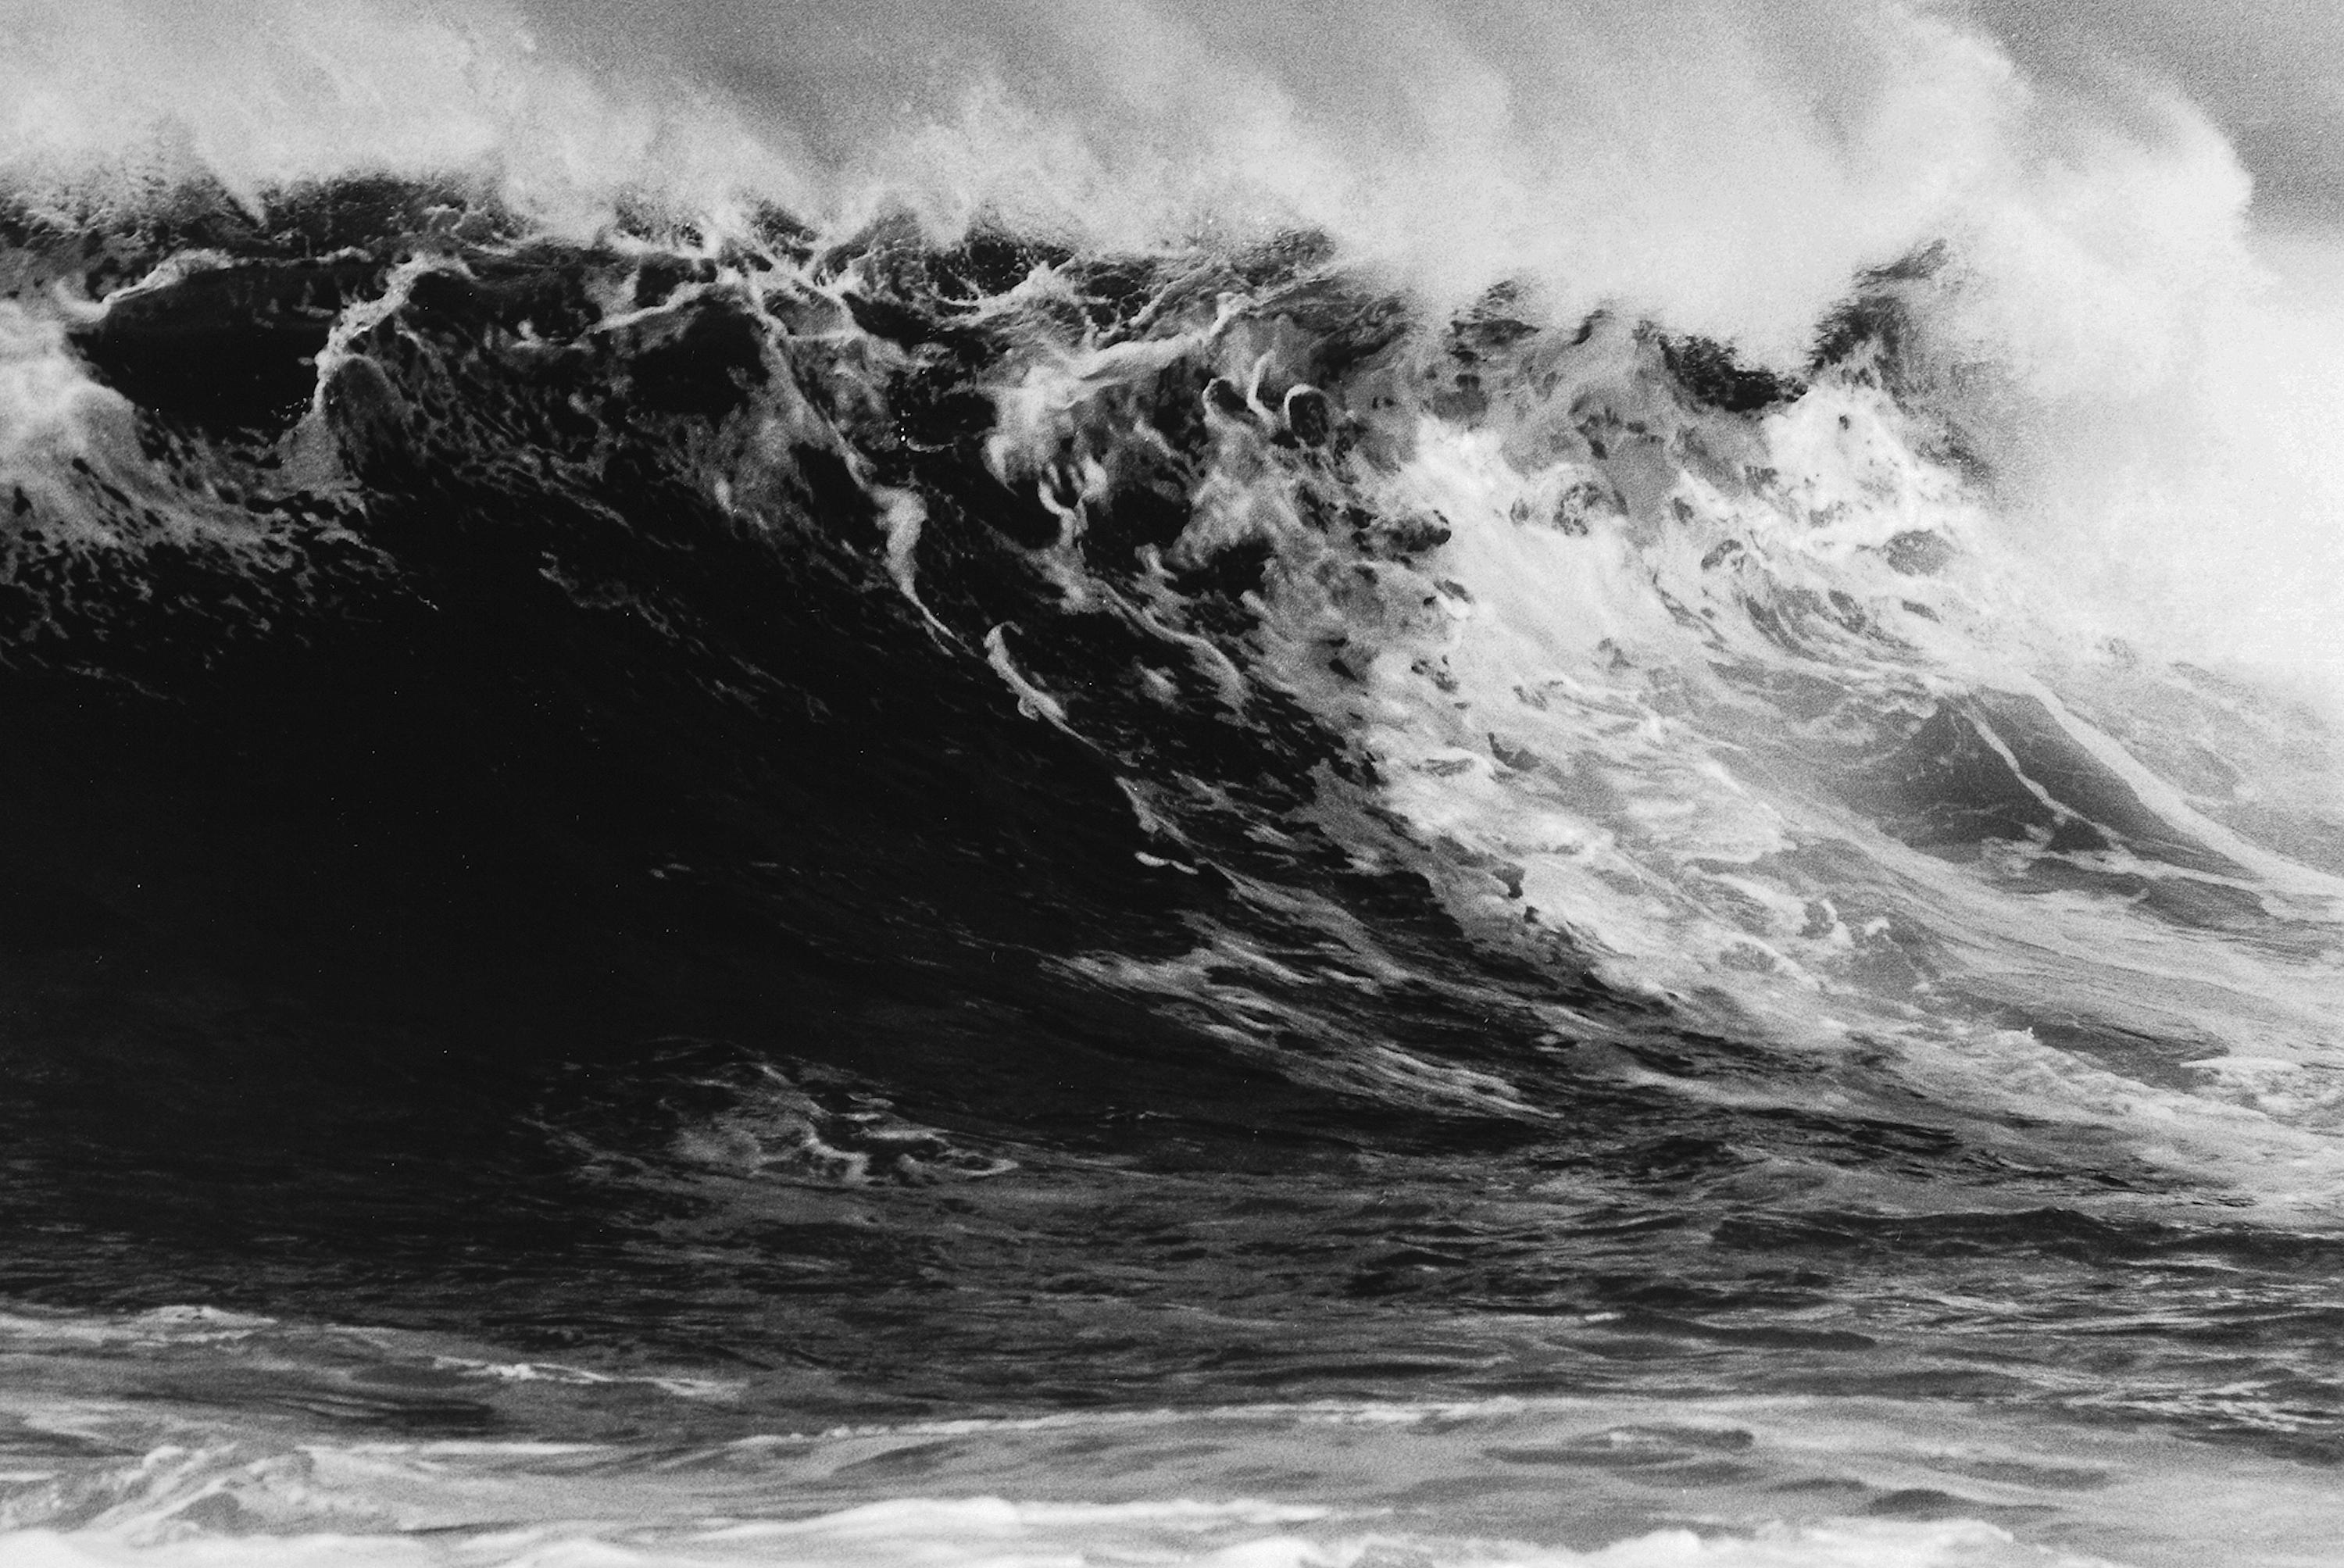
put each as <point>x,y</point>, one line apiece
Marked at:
<point>2163,375</point>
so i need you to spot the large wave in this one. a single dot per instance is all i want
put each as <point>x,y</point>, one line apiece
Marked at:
<point>1719,688</point>
<point>1659,620</point>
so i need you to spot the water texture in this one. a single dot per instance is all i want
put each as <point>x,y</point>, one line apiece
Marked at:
<point>713,861</point>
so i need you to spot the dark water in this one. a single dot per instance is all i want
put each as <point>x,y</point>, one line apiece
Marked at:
<point>667,844</point>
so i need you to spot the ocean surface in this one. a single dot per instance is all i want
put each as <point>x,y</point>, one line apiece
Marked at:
<point>733,882</point>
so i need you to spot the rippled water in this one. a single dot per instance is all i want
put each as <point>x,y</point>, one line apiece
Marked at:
<point>704,886</point>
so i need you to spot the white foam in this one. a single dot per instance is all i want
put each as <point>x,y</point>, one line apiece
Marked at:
<point>1567,704</point>
<point>1080,1490</point>
<point>992,1534</point>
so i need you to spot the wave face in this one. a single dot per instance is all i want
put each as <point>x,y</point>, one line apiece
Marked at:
<point>1175,883</point>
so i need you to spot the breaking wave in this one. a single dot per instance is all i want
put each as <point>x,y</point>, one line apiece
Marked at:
<point>648,730</point>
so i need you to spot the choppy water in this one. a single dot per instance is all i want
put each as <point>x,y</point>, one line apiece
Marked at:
<point>700,885</point>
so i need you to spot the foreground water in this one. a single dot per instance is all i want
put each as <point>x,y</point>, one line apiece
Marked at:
<point>718,892</point>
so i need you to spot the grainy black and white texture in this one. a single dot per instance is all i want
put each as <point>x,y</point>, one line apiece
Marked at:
<point>930,785</point>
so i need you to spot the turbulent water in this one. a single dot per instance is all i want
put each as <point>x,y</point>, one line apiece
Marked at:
<point>731,886</point>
